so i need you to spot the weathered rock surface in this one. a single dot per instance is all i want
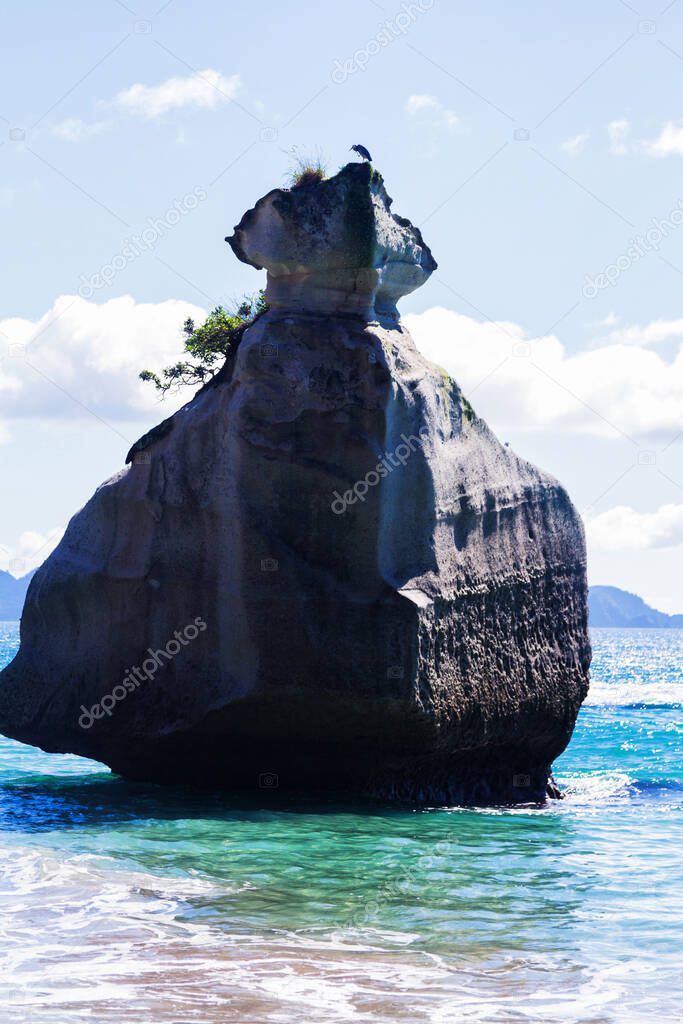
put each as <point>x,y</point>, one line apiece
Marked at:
<point>395,603</point>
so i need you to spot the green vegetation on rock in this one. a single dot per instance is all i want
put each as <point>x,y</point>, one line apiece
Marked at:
<point>209,344</point>
<point>306,169</point>
<point>467,410</point>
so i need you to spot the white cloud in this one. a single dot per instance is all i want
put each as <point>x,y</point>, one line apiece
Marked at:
<point>30,551</point>
<point>75,130</point>
<point>623,529</point>
<point>575,145</point>
<point>618,132</point>
<point>81,357</point>
<point>647,334</point>
<point>609,321</point>
<point>421,103</point>
<point>530,384</point>
<point>203,90</point>
<point>84,354</point>
<point>669,141</point>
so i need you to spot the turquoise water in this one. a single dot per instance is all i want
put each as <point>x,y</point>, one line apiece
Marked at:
<point>122,902</point>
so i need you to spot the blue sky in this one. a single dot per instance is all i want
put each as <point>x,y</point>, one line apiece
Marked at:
<point>534,144</point>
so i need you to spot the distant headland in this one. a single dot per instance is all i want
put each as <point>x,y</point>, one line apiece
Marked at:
<point>12,595</point>
<point>610,606</point>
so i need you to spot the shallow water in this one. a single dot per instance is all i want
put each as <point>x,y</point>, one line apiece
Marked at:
<point>122,902</point>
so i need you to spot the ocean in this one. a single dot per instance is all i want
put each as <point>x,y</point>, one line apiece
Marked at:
<point>124,902</point>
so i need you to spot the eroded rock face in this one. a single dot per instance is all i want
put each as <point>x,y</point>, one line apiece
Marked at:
<point>394,603</point>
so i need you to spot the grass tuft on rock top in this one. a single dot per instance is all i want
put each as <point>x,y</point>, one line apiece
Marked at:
<point>306,168</point>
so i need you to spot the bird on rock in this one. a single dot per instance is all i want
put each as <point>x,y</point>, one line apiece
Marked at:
<point>362,152</point>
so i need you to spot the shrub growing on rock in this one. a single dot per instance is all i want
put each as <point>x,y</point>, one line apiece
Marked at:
<point>209,344</point>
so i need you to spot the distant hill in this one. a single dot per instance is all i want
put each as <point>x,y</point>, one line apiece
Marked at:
<point>609,606</point>
<point>12,594</point>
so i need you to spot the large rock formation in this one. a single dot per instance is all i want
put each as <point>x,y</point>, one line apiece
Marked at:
<point>349,583</point>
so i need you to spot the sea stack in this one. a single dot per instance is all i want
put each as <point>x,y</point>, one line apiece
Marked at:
<point>324,574</point>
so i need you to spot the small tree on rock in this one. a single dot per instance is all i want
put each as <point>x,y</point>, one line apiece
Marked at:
<point>208,345</point>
